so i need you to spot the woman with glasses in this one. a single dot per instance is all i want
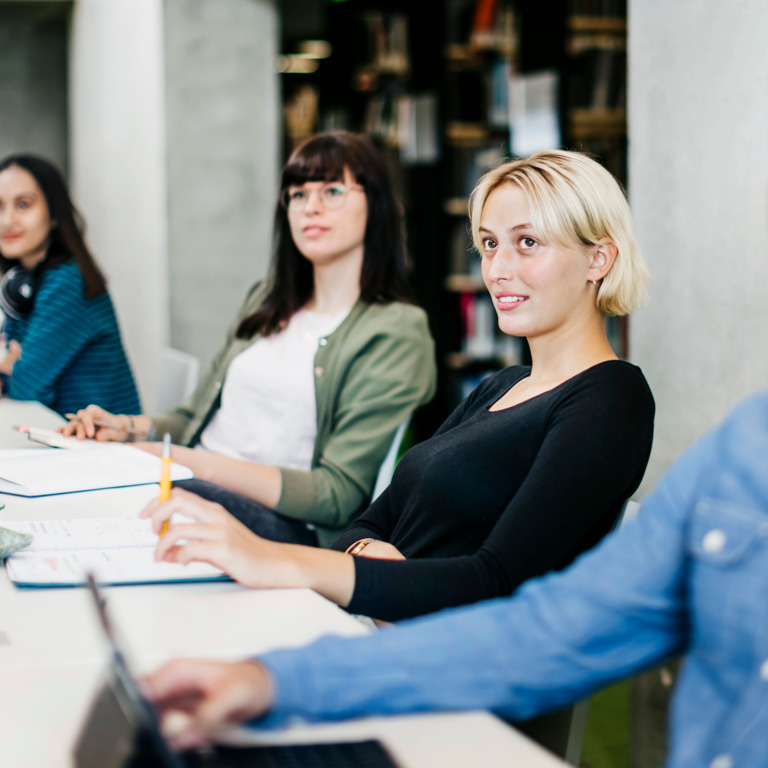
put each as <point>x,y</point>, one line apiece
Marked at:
<point>323,362</point>
<point>534,467</point>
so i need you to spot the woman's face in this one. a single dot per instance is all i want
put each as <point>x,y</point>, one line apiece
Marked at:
<point>324,233</point>
<point>25,222</point>
<point>538,290</point>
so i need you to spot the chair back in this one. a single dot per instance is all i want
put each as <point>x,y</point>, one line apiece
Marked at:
<point>390,460</point>
<point>628,512</point>
<point>179,373</point>
<point>578,724</point>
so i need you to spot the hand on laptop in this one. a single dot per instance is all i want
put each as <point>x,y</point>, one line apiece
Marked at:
<point>196,697</point>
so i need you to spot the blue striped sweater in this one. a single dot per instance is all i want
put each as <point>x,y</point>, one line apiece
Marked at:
<point>72,354</point>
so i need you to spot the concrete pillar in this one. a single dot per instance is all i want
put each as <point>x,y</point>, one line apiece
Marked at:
<point>174,156</point>
<point>698,184</point>
<point>118,166</point>
<point>222,123</point>
<point>33,79</point>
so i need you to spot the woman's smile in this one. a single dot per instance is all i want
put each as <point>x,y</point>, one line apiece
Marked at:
<point>508,301</point>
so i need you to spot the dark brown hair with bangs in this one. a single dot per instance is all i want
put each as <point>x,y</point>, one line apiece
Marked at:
<point>383,277</point>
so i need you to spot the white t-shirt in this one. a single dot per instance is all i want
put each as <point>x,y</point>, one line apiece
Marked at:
<point>268,413</point>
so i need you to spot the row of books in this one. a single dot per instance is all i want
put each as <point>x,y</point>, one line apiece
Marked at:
<point>605,8</point>
<point>481,25</point>
<point>407,122</point>
<point>531,122</point>
<point>481,337</point>
<point>597,79</point>
<point>482,341</point>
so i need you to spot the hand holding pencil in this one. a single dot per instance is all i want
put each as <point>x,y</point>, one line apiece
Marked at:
<point>96,423</point>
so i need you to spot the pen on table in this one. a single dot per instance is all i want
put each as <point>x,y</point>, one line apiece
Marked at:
<point>165,478</point>
<point>108,425</point>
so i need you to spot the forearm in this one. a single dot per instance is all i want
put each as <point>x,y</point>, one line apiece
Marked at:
<point>558,640</point>
<point>330,574</point>
<point>142,423</point>
<point>259,482</point>
<point>398,590</point>
<point>475,658</point>
<point>140,426</point>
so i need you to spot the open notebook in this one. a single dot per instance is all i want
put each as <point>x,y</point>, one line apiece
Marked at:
<point>117,550</point>
<point>50,470</point>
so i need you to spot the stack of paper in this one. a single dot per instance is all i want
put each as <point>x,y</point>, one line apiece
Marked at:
<point>48,471</point>
<point>117,550</point>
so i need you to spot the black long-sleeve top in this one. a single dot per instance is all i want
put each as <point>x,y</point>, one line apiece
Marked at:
<point>497,497</point>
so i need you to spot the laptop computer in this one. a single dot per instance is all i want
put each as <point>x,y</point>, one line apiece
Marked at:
<point>122,730</point>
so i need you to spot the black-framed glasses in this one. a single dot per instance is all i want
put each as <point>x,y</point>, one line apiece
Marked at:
<point>333,196</point>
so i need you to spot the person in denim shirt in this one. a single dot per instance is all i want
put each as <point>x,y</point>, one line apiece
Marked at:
<point>689,575</point>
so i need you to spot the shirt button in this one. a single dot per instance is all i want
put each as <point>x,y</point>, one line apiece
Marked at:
<point>714,541</point>
<point>764,670</point>
<point>318,372</point>
<point>322,342</point>
<point>722,761</point>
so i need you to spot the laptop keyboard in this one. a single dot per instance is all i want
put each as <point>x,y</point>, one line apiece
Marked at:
<point>350,754</point>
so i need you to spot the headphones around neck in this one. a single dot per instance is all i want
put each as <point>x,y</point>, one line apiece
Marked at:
<point>17,291</point>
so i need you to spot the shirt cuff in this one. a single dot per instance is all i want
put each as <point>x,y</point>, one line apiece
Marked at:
<point>297,493</point>
<point>289,690</point>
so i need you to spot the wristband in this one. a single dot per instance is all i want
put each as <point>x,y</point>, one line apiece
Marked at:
<point>131,434</point>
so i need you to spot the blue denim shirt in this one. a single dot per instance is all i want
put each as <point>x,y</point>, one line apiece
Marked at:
<point>688,575</point>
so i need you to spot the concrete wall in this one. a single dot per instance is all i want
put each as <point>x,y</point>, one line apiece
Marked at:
<point>698,80</point>
<point>174,152</point>
<point>222,119</point>
<point>33,79</point>
<point>118,168</point>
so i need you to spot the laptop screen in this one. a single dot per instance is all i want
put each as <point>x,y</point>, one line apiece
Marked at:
<point>122,728</point>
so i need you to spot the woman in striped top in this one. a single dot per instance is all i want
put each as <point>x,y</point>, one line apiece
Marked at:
<point>63,340</point>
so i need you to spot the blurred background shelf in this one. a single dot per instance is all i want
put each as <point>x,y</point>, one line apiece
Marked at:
<point>447,96</point>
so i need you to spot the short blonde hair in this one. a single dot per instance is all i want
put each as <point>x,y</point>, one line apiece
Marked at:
<point>574,199</point>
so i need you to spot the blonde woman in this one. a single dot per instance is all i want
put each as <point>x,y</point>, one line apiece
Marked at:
<point>534,466</point>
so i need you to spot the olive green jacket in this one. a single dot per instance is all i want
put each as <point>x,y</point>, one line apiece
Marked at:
<point>371,373</point>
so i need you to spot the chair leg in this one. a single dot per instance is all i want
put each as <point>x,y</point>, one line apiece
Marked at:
<point>576,733</point>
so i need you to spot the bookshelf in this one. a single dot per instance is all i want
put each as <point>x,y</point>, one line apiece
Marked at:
<point>595,99</point>
<point>447,95</point>
<point>382,77</point>
<point>481,56</point>
<point>537,77</point>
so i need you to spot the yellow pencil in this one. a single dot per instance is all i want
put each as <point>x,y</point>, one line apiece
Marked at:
<point>165,478</point>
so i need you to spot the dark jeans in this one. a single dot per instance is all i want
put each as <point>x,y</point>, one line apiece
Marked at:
<point>260,519</point>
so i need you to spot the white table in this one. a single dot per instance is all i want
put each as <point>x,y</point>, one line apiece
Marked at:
<point>40,731</point>
<point>52,654</point>
<point>17,413</point>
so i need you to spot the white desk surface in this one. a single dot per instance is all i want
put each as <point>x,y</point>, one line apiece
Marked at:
<point>39,731</point>
<point>27,414</point>
<point>52,653</point>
